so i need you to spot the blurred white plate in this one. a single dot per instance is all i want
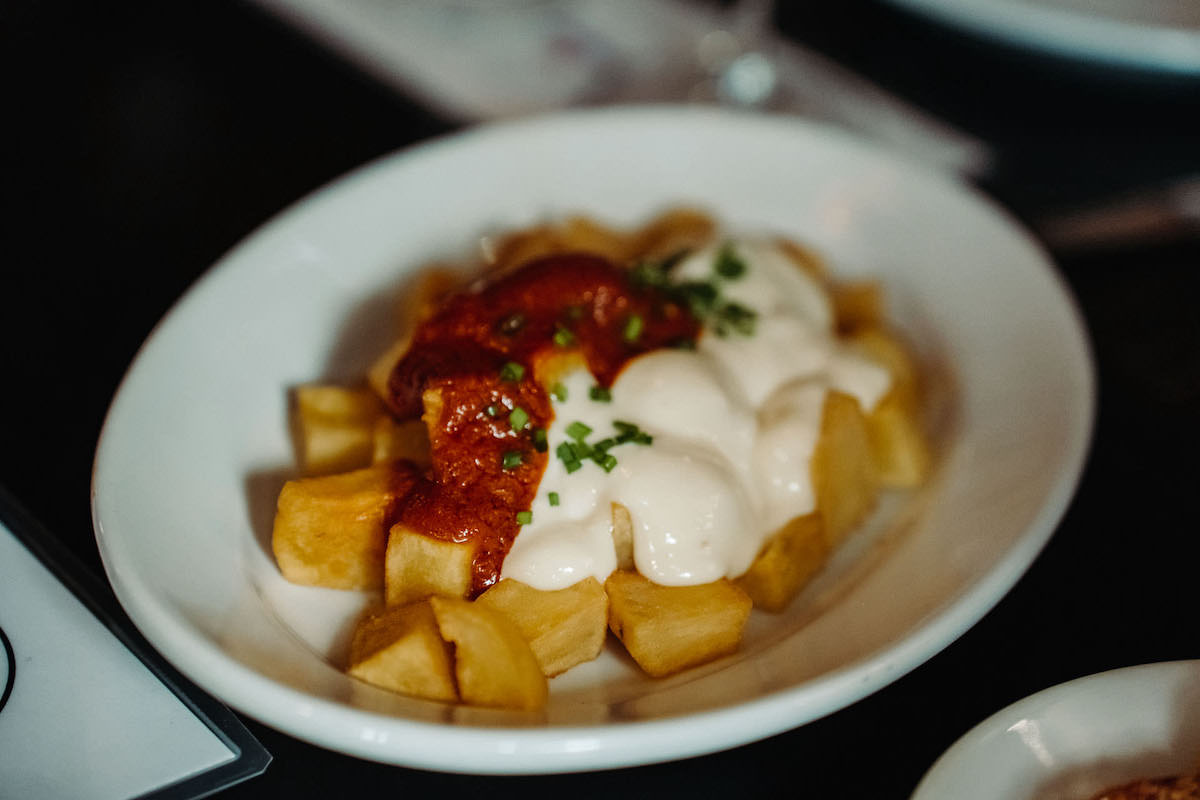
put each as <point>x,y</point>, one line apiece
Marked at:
<point>1152,34</point>
<point>195,446</point>
<point>1074,740</point>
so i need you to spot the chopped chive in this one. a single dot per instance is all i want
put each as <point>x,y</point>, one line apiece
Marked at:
<point>512,459</point>
<point>603,446</point>
<point>564,452</point>
<point>728,263</point>
<point>524,517</point>
<point>539,440</point>
<point>600,394</point>
<point>559,391</point>
<point>578,431</point>
<point>700,297</point>
<point>491,411</point>
<point>633,329</point>
<point>608,463</point>
<point>625,430</point>
<point>563,337</point>
<point>648,273</point>
<point>737,316</point>
<point>510,324</point>
<point>572,466</point>
<point>512,371</point>
<point>553,498</point>
<point>518,418</point>
<point>643,438</point>
<point>580,450</point>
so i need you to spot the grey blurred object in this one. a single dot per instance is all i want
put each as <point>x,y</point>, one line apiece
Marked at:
<point>1158,35</point>
<point>474,60</point>
<point>1154,213</point>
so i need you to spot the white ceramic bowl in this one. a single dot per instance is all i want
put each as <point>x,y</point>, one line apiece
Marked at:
<point>195,446</point>
<point>1074,740</point>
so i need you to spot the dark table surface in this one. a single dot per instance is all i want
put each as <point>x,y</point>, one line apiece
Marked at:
<point>141,143</point>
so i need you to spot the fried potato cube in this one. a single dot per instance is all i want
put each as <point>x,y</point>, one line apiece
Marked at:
<point>401,649</point>
<point>789,559</point>
<point>380,371</point>
<point>401,441</point>
<point>563,627</point>
<point>669,233</point>
<point>806,259</point>
<point>330,531</point>
<point>844,472</point>
<point>888,351</point>
<point>519,248</point>
<point>418,566</point>
<point>493,664</point>
<point>585,235</point>
<point>857,305</point>
<point>901,448</point>
<point>334,428</point>
<point>622,534</point>
<point>553,364</point>
<point>670,628</point>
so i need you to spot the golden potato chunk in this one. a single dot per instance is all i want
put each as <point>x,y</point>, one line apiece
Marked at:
<point>418,566</point>
<point>493,664</point>
<point>806,259</point>
<point>622,534</point>
<point>898,439</point>
<point>885,349</point>
<point>380,371</point>
<point>335,428</point>
<point>563,627</point>
<point>844,473</point>
<point>789,559</point>
<point>330,531</point>
<point>584,235</point>
<point>901,448</point>
<point>402,441</point>
<point>670,628</point>
<point>669,233</point>
<point>857,305</point>
<point>401,649</point>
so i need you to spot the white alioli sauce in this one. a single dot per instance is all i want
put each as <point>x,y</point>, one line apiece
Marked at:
<point>734,423</point>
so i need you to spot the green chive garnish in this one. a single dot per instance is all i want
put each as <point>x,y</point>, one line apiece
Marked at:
<point>572,466</point>
<point>524,517</point>
<point>578,431</point>
<point>553,498</point>
<point>539,440</point>
<point>728,264</point>
<point>518,418</point>
<point>491,411</point>
<point>511,459</point>
<point>608,463</point>
<point>512,371</point>
<point>563,338</point>
<point>559,391</point>
<point>600,394</point>
<point>633,329</point>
